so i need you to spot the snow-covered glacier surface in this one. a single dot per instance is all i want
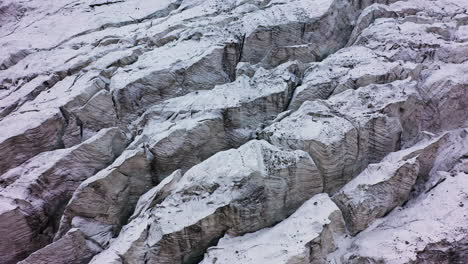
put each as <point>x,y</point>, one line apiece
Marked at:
<point>234,131</point>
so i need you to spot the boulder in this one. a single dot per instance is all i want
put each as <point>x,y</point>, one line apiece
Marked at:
<point>385,185</point>
<point>307,236</point>
<point>36,193</point>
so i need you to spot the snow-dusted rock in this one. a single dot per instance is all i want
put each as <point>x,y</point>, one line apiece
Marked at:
<point>246,102</point>
<point>175,130</point>
<point>349,68</point>
<point>73,248</point>
<point>186,79</point>
<point>430,227</point>
<point>183,141</point>
<point>385,185</point>
<point>230,113</point>
<point>49,122</point>
<point>444,252</point>
<point>307,236</point>
<point>78,246</point>
<point>134,90</point>
<point>350,130</point>
<point>436,217</point>
<point>28,134</point>
<point>235,192</point>
<point>175,51</point>
<point>179,49</point>
<point>35,193</point>
<point>418,31</point>
<point>445,90</point>
<point>25,34</point>
<point>102,203</point>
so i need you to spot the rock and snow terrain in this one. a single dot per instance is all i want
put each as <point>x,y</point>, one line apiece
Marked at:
<point>233,131</point>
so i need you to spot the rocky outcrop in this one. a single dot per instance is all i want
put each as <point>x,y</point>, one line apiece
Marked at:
<point>72,248</point>
<point>49,122</point>
<point>175,130</point>
<point>251,188</point>
<point>350,68</point>
<point>444,252</point>
<point>385,185</point>
<point>413,230</point>
<point>101,204</point>
<point>414,31</point>
<point>349,131</point>
<point>34,195</point>
<point>445,91</point>
<point>403,234</point>
<point>32,127</point>
<point>173,136</point>
<point>307,236</point>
